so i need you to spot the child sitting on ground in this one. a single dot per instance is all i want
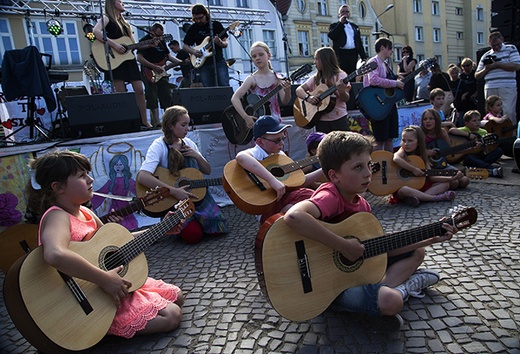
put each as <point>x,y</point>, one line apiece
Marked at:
<point>437,96</point>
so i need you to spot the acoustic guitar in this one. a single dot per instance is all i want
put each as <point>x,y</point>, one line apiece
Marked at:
<point>235,126</point>
<point>252,194</point>
<point>301,277</point>
<point>306,115</point>
<point>152,76</point>
<point>505,132</point>
<point>187,177</point>
<point>461,146</point>
<point>388,177</point>
<point>205,47</point>
<point>58,313</point>
<point>376,102</point>
<point>116,59</point>
<point>20,239</point>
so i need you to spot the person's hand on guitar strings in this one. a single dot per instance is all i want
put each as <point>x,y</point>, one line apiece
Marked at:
<point>116,286</point>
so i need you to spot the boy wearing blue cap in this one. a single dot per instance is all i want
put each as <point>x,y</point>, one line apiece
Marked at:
<point>269,135</point>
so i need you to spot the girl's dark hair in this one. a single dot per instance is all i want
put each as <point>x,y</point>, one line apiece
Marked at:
<point>438,122</point>
<point>329,66</point>
<point>54,166</point>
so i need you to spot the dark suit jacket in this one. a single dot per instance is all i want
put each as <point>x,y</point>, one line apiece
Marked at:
<point>339,38</point>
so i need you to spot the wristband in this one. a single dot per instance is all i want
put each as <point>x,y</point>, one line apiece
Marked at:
<point>307,97</point>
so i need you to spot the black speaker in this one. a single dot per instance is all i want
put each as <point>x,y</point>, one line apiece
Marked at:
<point>506,19</point>
<point>70,91</point>
<point>99,115</point>
<point>352,102</point>
<point>204,104</point>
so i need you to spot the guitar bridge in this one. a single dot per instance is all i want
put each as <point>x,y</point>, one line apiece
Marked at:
<point>303,265</point>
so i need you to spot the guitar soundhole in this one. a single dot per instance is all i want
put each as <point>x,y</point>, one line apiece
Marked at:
<point>343,264</point>
<point>110,258</point>
<point>277,172</point>
<point>181,182</point>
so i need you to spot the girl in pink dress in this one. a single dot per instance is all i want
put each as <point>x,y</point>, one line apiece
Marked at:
<point>63,180</point>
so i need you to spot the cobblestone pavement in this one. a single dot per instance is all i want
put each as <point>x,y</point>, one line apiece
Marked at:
<point>475,308</point>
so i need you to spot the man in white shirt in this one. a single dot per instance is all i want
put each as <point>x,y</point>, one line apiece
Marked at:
<point>498,68</point>
<point>346,41</point>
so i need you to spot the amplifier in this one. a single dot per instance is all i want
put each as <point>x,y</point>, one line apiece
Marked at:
<point>99,115</point>
<point>204,104</point>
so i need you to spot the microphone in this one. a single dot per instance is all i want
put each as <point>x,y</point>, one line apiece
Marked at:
<point>385,32</point>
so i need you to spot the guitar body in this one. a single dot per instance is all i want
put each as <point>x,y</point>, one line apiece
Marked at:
<point>307,115</point>
<point>188,176</point>
<point>43,308</point>
<point>204,48</point>
<point>502,131</point>
<point>389,177</point>
<point>377,102</point>
<point>459,156</point>
<point>15,241</point>
<point>235,126</point>
<point>116,59</point>
<point>280,277</point>
<point>153,77</point>
<point>247,195</point>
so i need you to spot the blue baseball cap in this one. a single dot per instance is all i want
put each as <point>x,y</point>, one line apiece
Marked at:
<point>268,125</point>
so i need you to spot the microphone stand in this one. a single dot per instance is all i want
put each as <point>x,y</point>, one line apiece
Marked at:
<point>285,40</point>
<point>107,49</point>
<point>212,35</point>
<point>245,50</point>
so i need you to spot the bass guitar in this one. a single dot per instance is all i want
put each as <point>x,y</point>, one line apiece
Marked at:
<point>377,102</point>
<point>388,177</point>
<point>306,115</point>
<point>301,277</point>
<point>20,239</point>
<point>57,313</point>
<point>252,194</point>
<point>153,77</point>
<point>116,59</point>
<point>235,126</point>
<point>206,49</point>
<point>187,177</point>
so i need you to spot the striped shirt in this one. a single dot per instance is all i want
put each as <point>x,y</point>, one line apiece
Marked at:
<point>498,78</point>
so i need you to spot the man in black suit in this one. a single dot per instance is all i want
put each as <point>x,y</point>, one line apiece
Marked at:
<point>346,39</point>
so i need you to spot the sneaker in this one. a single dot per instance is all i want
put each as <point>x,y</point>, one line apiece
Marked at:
<point>383,324</point>
<point>496,172</point>
<point>412,201</point>
<point>419,281</point>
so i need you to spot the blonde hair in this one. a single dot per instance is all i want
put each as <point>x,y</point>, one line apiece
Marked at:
<point>119,20</point>
<point>260,44</point>
<point>170,118</point>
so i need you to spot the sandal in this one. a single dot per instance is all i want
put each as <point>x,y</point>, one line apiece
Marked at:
<point>448,195</point>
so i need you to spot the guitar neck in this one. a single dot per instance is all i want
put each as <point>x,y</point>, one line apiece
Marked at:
<point>457,148</point>
<point>199,183</point>
<point>412,75</point>
<point>298,165</point>
<point>136,246</point>
<point>266,98</point>
<point>123,212</point>
<point>138,45</point>
<point>333,88</point>
<point>383,244</point>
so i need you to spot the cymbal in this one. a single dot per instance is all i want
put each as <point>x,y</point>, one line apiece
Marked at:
<point>230,62</point>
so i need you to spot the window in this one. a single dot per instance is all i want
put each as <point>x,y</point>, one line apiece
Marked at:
<point>362,10</point>
<point>243,4</point>
<point>183,1</point>
<point>64,48</point>
<point>480,13</point>
<point>419,33</point>
<point>420,57</point>
<point>366,44</point>
<point>322,8</point>
<point>6,39</point>
<point>215,2</point>
<point>301,5</point>
<point>342,2</point>
<point>269,39</point>
<point>303,43</point>
<point>246,40</point>
<point>397,53</point>
<point>458,11</point>
<point>324,39</point>
<point>436,8</point>
<point>417,6</point>
<point>460,35</point>
<point>480,37</point>
<point>436,35</point>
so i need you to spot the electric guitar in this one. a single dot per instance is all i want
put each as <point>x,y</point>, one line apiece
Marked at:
<point>56,312</point>
<point>235,126</point>
<point>153,77</point>
<point>388,177</point>
<point>252,194</point>
<point>187,177</point>
<point>306,115</point>
<point>116,59</point>
<point>301,277</point>
<point>205,47</point>
<point>377,102</point>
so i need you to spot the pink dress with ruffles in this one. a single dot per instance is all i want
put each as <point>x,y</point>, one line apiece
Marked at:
<point>140,306</point>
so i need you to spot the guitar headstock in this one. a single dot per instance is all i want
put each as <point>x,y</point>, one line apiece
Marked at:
<point>476,173</point>
<point>490,139</point>
<point>301,72</point>
<point>365,69</point>
<point>155,195</point>
<point>185,207</point>
<point>167,37</point>
<point>427,63</point>
<point>233,25</point>
<point>463,217</point>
